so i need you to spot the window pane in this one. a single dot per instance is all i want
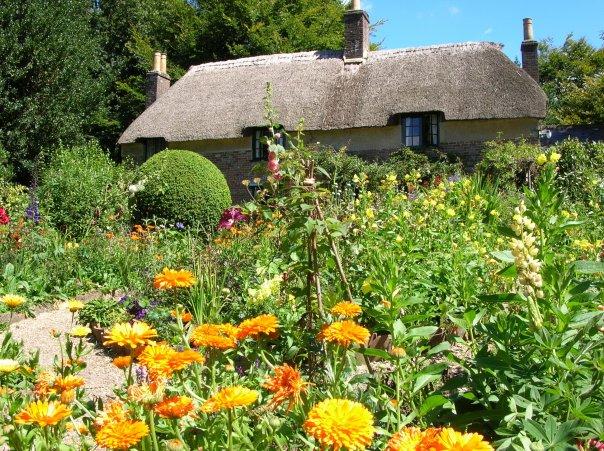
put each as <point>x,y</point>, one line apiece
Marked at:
<point>408,122</point>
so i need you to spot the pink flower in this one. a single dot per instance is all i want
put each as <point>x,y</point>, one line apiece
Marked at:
<point>230,217</point>
<point>272,155</point>
<point>273,166</point>
<point>4,218</point>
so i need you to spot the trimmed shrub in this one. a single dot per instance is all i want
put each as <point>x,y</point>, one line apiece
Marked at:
<point>182,186</point>
<point>82,190</point>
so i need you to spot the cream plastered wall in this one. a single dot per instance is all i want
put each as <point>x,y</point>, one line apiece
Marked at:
<point>364,139</point>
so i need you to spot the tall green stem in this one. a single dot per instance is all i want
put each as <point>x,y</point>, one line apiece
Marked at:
<point>152,430</point>
<point>230,431</point>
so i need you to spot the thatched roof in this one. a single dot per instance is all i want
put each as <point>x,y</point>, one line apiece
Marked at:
<point>224,99</point>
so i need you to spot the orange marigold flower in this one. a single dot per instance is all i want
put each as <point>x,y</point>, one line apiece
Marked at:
<point>186,317</point>
<point>43,413</point>
<point>230,398</point>
<point>122,362</point>
<point>68,396</point>
<point>286,385</point>
<point>346,309</point>
<point>157,360</point>
<point>344,333</point>
<point>44,383</point>
<point>181,360</point>
<point>174,407</point>
<point>68,383</point>
<point>218,336</point>
<point>174,278</point>
<point>451,440</point>
<point>412,439</point>
<point>340,423</point>
<point>121,434</point>
<point>260,325</point>
<point>131,335</point>
<point>114,411</point>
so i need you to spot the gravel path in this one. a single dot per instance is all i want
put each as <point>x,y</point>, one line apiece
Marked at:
<point>100,374</point>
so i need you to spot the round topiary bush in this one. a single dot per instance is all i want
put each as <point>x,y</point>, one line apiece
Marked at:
<point>182,186</point>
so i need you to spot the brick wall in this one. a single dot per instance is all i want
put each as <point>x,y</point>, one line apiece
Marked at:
<point>356,34</point>
<point>530,58</point>
<point>236,165</point>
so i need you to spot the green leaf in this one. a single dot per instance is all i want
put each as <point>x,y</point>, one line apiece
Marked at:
<point>373,352</point>
<point>588,267</point>
<point>431,403</point>
<point>423,332</point>
<point>503,256</point>
<point>502,297</point>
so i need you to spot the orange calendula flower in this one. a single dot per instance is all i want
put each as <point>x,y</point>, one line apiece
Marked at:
<point>181,360</point>
<point>230,398</point>
<point>451,440</point>
<point>344,333</point>
<point>122,362</point>
<point>174,407</point>
<point>157,360</point>
<point>68,383</point>
<point>43,413</point>
<point>286,385</point>
<point>260,325</point>
<point>44,383</point>
<point>346,309</point>
<point>114,411</point>
<point>340,423</point>
<point>412,439</point>
<point>131,335</point>
<point>68,396</point>
<point>186,317</point>
<point>121,434</point>
<point>174,278</point>
<point>218,336</point>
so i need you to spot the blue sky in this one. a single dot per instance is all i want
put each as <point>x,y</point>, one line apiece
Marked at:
<point>411,23</point>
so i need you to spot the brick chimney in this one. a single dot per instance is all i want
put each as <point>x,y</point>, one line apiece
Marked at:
<point>158,80</point>
<point>356,34</point>
<point>530,54</point>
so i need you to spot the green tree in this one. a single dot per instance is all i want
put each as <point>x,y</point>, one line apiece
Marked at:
<point>239,28</point>
<point>51,78</point>
<point>572,76</point>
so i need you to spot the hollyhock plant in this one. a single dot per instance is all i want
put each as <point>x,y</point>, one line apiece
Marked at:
<point>230,217</point>
<point>273,166</point>
<point>4,217</point>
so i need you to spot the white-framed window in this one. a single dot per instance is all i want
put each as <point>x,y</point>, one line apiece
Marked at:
<point>421,130</point>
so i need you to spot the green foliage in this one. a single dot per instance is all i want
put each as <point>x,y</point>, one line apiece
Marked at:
<point>581,170</point>
<point>510,163</point>
<point>183,186</point>
<point>103,313</point>
<point>571,76</point>
<point>83,190</point>
<point>51,77</point>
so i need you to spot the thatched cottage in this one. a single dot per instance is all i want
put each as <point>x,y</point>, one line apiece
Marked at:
<point>454,97</point>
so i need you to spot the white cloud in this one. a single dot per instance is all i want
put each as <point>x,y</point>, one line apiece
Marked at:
<point>488,30</point>
<point>454,10</point>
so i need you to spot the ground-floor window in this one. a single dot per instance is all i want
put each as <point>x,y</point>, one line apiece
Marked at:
<point>421,130</point>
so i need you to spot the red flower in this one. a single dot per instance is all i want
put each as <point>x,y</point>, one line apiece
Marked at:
<point>4,218</point>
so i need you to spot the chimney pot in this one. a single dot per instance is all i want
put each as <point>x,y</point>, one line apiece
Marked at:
<point>528,29</point>
<point>356,5</point>
<point>164,64</point>
<point>156,62</point>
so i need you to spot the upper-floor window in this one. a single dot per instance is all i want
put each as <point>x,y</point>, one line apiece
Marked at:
<point>421,130</point>
<point>259,146</point>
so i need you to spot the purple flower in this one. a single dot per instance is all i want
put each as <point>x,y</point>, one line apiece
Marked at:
<point>180,226</point>
<point>141,374</point>
<point>230,217</point>
<point>454,178</point>
<point>412,196</point>
<point>32,212</point>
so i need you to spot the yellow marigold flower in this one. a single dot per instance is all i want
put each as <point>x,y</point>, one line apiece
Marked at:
<point>174,407</point>
<point>8,365</point>
<point>398,352</point>
<point>218,336</point>
<point>412,439</point>
<point>122,362</point>
<point>80,331</point>
<point>344,333</point>
<point>173,278</point>
<point>74,305</point>
<point>68,396</point>
<point>260,325</point>
<point>121,434</point>
<point>346,309</point>
<point>68,383</point>
<point>340,423</point>
<point>131,335</point>
<point>451,440</point>
<point>286,385</point>
<point>43,413</point>
<point>554,157</point>
<point>230,398</point>
<point>12,301</point>
<point>541,159</point>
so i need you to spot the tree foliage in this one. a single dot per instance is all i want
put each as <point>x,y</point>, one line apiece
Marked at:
<point>573,78</point>
<point>51,78</point>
